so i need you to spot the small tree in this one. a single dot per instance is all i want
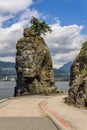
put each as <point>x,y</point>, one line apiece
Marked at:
<point>39,27</point>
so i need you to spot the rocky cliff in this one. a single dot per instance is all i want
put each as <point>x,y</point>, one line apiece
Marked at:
<point>33,66</point>
<point>78,79</point>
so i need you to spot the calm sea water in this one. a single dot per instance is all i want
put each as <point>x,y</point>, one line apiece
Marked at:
<point>7,88</point>
<point>63,86</point>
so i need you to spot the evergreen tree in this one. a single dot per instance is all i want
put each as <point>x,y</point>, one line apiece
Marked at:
<point>39,27</point>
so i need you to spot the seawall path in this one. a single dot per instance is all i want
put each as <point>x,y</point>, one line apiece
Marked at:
<point>26,112</point>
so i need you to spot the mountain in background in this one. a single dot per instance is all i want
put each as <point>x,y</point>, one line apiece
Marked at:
<point>63,73</point>
<point>7,64</point>
<point>8,69</point>
<point>66,67</point>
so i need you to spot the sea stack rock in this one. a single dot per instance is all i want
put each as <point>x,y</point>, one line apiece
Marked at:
<point>78,79</point>
<point>33,66</point>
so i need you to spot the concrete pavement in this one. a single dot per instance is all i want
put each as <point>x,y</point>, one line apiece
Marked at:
<point>75,118</point>
<point>23,113</point>
<point>26,123</point>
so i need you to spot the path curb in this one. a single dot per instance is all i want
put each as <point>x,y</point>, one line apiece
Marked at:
<point>6,99</point>
<point>60,124</point>
<point>4,102</point>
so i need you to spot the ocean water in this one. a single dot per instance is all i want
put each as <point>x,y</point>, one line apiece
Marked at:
<point>63,86</point>
<point>7,88</point>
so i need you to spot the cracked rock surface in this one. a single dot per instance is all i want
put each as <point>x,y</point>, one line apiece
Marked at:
<point>78,79</point>
<point>33,66</point>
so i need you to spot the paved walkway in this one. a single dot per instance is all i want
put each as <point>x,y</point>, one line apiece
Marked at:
<point>74,117</point>
<point>24,114</point>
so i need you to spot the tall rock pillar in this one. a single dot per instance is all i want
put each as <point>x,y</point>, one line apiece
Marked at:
<point>33,66</point>
<point>78,79</point>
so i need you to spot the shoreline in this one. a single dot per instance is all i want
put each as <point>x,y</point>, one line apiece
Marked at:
<point>7,88</point>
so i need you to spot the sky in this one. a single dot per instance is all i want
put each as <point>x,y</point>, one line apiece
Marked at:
<point>67,18</point>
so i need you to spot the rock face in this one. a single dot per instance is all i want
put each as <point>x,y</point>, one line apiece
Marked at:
<point>33,66</point>
<point>78,79</point>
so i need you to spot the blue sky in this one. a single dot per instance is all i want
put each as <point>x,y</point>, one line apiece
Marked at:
<point>68,19</point>
<point>68,11</point>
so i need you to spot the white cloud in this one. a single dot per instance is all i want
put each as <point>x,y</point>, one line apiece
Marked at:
<point>10,34</point>
<point>4,18</point>
<point>64,43</point>
<point>9,37</point>
<point>9,10</point>
<point>14,6</point>
<point>28,14</point>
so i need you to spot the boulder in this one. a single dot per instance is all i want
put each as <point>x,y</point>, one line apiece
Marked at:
<point>33,66</point>
<point>78,79</point>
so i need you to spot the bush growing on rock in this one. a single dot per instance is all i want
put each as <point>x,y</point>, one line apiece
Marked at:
<point>33,62</point>
<point>39,27</point>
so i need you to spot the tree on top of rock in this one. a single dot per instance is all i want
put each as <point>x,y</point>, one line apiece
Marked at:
<point>39,27</point>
